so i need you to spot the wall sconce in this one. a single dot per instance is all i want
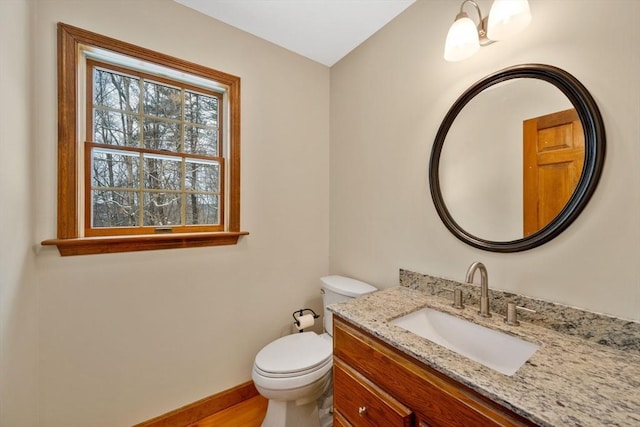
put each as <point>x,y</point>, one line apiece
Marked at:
<point>506,17</point>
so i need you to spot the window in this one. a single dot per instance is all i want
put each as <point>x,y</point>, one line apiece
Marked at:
<point>153,154</point>
<point>148,149</point>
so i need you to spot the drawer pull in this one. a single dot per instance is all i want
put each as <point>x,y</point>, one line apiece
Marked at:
<point>362,410</point>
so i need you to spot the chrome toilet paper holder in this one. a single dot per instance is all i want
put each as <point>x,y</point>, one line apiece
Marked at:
<point>299,313</point>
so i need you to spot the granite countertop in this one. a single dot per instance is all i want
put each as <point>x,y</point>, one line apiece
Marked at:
<point>569,381</point>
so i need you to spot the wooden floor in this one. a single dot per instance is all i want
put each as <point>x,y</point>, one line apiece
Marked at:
<point>249,413</point>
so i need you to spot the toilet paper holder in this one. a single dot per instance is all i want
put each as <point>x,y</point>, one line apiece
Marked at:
<point>300,313</point>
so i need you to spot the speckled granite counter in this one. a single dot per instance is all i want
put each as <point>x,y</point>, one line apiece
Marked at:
<point>602,329</point>
<point>569,381</point>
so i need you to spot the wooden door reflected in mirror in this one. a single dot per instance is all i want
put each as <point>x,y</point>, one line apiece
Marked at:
<point>553,155</point>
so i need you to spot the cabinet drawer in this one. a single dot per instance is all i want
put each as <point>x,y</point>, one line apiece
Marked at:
<point>363,403</point>
<point>436,399</point>
<point>339,420</point>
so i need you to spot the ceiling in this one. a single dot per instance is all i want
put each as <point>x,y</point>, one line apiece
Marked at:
<point>322,30</point>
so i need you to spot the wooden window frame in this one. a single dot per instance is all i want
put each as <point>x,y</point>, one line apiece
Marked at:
<point>70,238</point>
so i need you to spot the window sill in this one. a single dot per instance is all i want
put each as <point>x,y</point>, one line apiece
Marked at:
<point>113,244</point>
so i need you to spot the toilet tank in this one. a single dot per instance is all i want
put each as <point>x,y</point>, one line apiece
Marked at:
<point>340,288</point>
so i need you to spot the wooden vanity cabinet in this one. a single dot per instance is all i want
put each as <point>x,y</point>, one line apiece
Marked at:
<point>340,421</point>
<point>376,385</point>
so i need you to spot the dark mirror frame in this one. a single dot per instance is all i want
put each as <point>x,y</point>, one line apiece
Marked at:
<point>594,141</point>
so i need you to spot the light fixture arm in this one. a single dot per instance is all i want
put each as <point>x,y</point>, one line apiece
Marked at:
<point>482,25</point>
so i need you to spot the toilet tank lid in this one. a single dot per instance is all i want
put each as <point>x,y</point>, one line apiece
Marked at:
<point>346,286</point>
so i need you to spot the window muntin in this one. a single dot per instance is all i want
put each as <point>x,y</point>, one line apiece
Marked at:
<point>154,153</point>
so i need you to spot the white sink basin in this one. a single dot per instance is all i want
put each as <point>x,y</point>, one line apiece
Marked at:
<point>494,349</point>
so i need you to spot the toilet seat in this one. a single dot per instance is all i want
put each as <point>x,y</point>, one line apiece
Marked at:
<point>294,356</point>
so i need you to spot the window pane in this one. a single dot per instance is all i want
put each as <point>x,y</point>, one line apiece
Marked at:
<point>202,209</point>
<point>115,169</point>
<point>116,128</point>
<point>201,109</point>
<point>162,173</point>
<point>162,101</point>
<point>201,141</point>
<point>202,176</point>
<point>116,91</point>
<point>161,135</point>
<point>114,208</point>
<point>161,209</point>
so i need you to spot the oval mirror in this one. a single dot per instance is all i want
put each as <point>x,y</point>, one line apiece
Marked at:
<point>517,158</point>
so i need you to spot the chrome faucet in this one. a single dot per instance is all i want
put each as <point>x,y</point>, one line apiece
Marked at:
<point>485,311</point>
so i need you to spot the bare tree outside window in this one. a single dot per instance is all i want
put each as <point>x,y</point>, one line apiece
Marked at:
<point>155,151</point>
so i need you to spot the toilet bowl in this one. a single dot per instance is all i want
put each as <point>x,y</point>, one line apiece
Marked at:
<point>295,371</point>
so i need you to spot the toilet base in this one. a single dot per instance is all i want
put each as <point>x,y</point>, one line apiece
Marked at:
<point>325,407</point>
<point>313,409</point>
<point>286,413</point>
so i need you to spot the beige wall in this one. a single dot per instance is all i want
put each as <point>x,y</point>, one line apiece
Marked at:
<point>18,292</point>
<point>387,100</point>
<point>126,337</point>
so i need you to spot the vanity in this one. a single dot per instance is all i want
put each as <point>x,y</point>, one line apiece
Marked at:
<point>385,375</point>
<point>373,382</point>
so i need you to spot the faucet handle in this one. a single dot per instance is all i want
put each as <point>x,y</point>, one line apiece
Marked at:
<point>457,297</point>
<point>512,313</point>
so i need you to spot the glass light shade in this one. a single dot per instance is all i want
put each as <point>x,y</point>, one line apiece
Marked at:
<point>507,17</point>
<point>462,39</point>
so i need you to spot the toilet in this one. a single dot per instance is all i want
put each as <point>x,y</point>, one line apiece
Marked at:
<point>294,371</point>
